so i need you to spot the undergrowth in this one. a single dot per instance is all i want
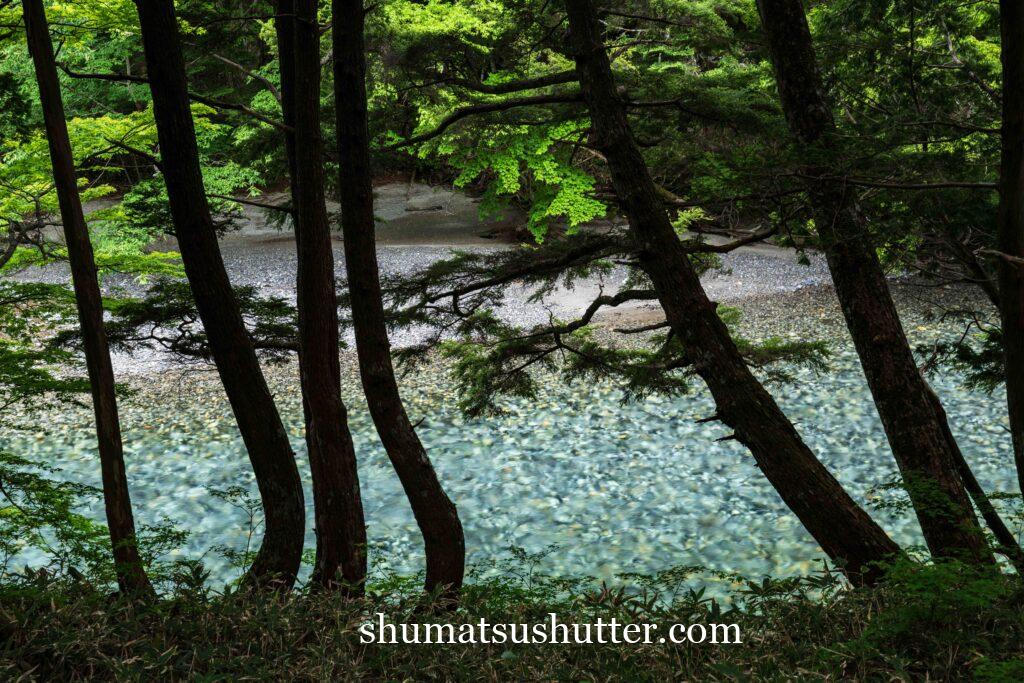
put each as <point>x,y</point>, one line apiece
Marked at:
<point>926,622</point>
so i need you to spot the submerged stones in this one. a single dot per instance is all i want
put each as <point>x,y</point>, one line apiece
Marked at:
<point>635,487</point>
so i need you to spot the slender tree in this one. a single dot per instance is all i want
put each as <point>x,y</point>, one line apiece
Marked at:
<point>270,453</point>
<point>130,572</point>
<point>844,531</point>
<point>340,526</point>
<point>284,29</point>
<point>1011,220</point>
<point>434,511</point>
<point>926,457</point>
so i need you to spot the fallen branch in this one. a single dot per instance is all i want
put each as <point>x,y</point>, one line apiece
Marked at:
<point>1009,258</point>
<point>701,248</point>
<point>252,202</point>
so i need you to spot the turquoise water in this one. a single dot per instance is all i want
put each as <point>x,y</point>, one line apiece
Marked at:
<point>615,488</point>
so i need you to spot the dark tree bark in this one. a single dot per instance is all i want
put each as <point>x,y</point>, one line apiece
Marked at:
<point>1011,220</point>
<point>435,513</point>
<point>916,431</point>
<point>1005,539</point>
<point>284,29</point>
<point>844,531</point>
<point>340,526</point>
<point>270,453</point>
<point>130,572</point>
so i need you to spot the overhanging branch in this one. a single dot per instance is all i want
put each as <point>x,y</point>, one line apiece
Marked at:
<point>195,97</point>
<point>487,108</point>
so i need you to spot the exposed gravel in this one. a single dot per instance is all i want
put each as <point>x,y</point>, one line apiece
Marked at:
<point>267,261</point>
<point>263,255</point>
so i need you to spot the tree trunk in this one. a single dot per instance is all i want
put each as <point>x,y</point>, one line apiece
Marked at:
<point>1005,538</point>
<point>844,531</point>
<point>434,512</point>
<point>340,526</point>
<point>1011,220</point>
<point>284,28</point>
<point>128,567</point>
<point>915,430</point>
<point>273,462</point>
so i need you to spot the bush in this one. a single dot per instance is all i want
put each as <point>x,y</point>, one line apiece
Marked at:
<point>936,622</point>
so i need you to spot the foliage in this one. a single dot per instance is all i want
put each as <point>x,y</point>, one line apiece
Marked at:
<point>38,512</point>
<point>977,356</point>
<point>31,375</point>
<point>935,622</point>
<point>167,318</point>
<point>524,162</point>
<point>914,88</point>
<point>457,300</point>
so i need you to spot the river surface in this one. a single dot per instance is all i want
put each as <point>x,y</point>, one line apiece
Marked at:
<point>601,486</point>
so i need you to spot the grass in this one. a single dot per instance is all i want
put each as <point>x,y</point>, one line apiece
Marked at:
<point>934,622</point>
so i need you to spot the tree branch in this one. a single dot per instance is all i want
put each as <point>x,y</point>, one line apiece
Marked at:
<point>594,250</point>
<point>487,108</point>
<point>142,154</point>
<point>884,184</point>
<point>195,97</point>
<point>267,83</point>
<point>645,17</point>
<point>123,78</point>
<point>596,305</point>
<point>1009,258</point>
<point>559,78</point>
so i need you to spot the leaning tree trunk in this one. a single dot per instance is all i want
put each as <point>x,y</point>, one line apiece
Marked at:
<point>273,462</point>
<point>128,566</point>
<point>435,513</point>
<point>844,531</point>
<point>915,429</point>
<point>340,526</point>
<point>1011,221</point>
<point>1005,539</point>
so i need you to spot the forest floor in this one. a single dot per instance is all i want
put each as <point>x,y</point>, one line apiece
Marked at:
<point>927,623</point>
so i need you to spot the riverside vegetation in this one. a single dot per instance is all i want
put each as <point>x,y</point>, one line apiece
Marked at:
<point>623,156</point>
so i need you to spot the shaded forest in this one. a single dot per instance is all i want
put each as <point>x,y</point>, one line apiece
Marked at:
<point>462,310</point>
